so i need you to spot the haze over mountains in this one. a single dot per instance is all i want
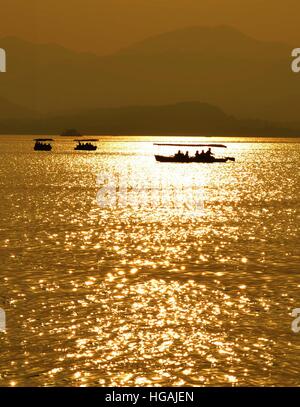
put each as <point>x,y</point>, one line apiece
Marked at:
<point>192,118</point>
<point>220,66</point>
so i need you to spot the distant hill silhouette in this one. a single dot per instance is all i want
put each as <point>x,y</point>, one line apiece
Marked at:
<point>192,118</point>
<point>219,65</point>
<point>9,110</point>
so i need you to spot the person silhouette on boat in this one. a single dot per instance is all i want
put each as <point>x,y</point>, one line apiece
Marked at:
<point>209,153</point>
<point>197,154</point>
<point>187,154</point>
<point>179,154</point>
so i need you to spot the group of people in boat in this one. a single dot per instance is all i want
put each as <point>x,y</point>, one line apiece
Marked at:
<point>203,154</point>
<point>42,146</point>
<point>85,145</point>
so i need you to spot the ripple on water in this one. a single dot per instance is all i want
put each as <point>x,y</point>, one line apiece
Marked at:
<point>159,293</point>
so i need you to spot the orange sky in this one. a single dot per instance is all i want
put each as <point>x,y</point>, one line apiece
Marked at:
<point>104,26</point>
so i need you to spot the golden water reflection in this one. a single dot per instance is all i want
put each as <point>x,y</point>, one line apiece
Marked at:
<point>149,295</point>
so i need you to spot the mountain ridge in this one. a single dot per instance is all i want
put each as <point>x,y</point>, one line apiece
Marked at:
<point>193,118</point>
<point>220,65</point>
<point>173,36</point>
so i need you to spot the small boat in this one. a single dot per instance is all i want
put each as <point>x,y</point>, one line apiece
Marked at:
<point>203,157</point>
<point>71,133</point>
<point>41,144</point>
<point>174,159</point>
<point>85,145</point>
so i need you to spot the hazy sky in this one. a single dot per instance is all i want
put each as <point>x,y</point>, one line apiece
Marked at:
<point>104,26</point>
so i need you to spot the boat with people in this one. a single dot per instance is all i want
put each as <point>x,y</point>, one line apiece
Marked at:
<point>85,145</point>
<point>199,157</point>
<point>43,144</point>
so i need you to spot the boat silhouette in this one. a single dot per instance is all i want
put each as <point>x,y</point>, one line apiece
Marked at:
<point>71,133</point>
<point>42,145</point>
<point>203,157</point>
<point>85,145</point>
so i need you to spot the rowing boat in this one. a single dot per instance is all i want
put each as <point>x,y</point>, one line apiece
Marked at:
<point>207,157</point>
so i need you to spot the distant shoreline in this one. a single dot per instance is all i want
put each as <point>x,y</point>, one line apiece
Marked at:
<point>162,137</point>
<point>191,119</point>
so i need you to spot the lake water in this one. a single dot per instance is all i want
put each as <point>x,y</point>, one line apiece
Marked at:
<point>156,290</point>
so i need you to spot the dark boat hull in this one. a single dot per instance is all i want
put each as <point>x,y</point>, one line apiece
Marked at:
<point>43,148</point>
<point>206,160</point>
